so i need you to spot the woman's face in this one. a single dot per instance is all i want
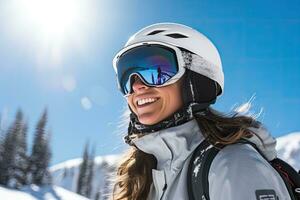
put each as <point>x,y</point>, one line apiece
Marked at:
<point>152,104</point>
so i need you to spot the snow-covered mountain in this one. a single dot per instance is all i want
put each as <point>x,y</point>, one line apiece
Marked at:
<point>288,148</point>
<point>65,174</point>
<point>39,193</point>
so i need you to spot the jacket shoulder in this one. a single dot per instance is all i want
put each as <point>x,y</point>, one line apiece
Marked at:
<point>240,172</point>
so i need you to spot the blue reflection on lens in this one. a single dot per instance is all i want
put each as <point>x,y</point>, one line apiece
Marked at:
<point>156,64</point>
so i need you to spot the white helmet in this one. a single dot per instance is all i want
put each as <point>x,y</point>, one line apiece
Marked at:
<point>187,38</point>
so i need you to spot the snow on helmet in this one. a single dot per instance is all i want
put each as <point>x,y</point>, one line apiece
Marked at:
<point>189,39</point>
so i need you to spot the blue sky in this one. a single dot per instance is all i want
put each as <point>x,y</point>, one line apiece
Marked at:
<point>48,61</point>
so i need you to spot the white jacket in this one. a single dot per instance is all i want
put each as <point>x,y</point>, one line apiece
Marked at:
<point>238,172</point>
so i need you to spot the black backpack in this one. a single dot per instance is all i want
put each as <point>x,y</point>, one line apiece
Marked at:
<point>201,161</point>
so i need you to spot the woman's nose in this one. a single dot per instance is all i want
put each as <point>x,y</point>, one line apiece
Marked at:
<point>138,85</point>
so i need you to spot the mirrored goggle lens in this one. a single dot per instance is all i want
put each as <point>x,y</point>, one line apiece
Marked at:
<point>155,64</point>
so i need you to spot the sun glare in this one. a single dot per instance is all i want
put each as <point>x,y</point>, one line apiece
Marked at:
<point>52,17</point>
<point>51,26</point>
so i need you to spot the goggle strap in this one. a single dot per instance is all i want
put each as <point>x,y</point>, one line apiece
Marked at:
<point>200,65</point>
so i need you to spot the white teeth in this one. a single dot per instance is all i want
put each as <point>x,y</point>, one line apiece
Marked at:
<point>144,101</point>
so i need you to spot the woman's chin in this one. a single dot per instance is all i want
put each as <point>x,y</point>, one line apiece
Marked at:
<point>148,119</point>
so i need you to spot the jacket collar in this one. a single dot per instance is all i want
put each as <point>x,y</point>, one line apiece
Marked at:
<point>171,146</point>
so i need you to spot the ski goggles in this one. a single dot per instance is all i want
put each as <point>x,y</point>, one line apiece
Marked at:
<point>157,64</point>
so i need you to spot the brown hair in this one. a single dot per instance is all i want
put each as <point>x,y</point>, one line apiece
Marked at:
<point>134,175</point>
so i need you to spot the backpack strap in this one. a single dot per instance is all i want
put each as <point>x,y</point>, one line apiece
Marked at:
<point>197,179</point>
<point>290,177</point>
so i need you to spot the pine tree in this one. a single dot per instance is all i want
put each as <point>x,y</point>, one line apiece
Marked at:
<point>1,129</point>
<point>86,173</point>
<point>2,136</point>
<point>98,195</point>
<point>48,177</point>
<point>83,173</point>
<point>20,173</point>
<point>40,155</point>
<point>9,151</point>
<point>90,173</point>
<point>1,141</point>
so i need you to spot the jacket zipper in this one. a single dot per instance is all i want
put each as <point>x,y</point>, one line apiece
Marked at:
<point>164,190</point>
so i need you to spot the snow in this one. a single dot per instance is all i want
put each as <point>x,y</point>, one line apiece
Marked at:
<point>110,159</point>
<point>288,148</point>
<point>39,193</point>
<point>8,194</point>
<point>66,164</point>
<point>66,174</point>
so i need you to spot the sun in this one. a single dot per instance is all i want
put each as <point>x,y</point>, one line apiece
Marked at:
<point>50,28</point>
<point>52,18</point>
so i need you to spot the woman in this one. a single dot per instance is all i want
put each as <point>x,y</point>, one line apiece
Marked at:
<point>170,75</point>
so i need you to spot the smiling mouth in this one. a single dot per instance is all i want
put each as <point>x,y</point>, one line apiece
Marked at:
<point>144,102</point>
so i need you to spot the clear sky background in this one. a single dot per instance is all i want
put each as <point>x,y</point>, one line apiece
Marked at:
<point>57,54</point>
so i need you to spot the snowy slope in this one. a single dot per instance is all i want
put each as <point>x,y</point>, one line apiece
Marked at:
<point>66,173</point>
<point>288,148</point>
<point>38,193</point>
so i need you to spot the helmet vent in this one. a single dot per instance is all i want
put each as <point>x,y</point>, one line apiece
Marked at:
<point>176,35</point>
<point>155,32</point>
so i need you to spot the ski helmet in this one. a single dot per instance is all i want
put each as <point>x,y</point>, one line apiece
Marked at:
<point>188,39</point>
